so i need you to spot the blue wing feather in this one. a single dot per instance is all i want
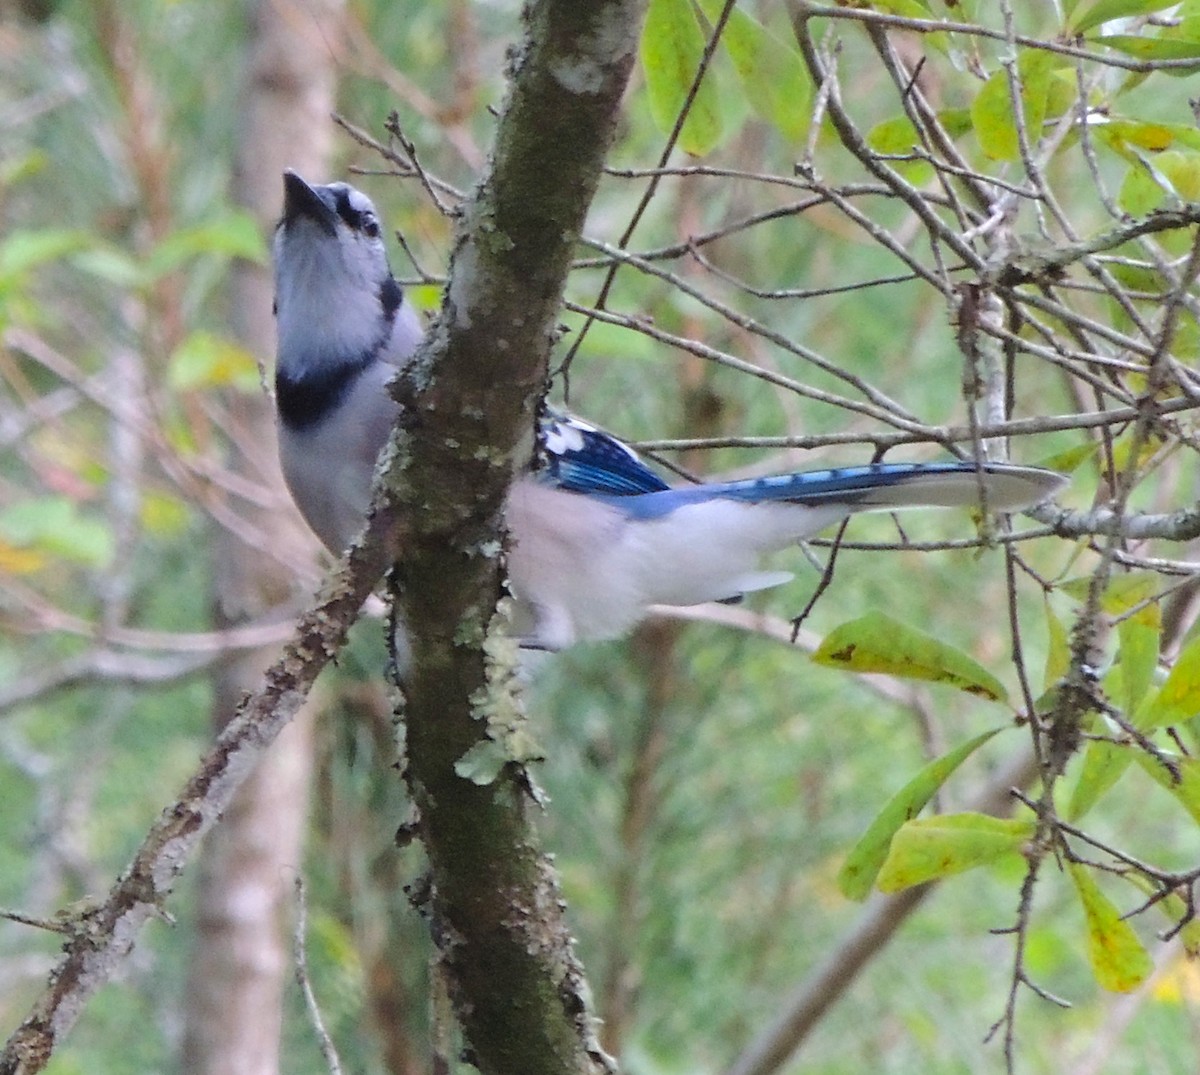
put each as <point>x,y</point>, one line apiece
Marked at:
<point>580,458</point>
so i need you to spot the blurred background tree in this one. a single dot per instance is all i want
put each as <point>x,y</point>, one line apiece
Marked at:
<point>854,243</point>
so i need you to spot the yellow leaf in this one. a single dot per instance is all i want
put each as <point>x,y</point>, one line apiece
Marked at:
<point>17,561</point>
<point>1119,961</point>
<point>1179,984</point>
<point>928,848</point>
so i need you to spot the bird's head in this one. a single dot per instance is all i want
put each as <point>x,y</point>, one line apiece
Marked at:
<point>335,296</point>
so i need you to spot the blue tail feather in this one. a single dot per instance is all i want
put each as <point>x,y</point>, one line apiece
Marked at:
<point>844,485</point>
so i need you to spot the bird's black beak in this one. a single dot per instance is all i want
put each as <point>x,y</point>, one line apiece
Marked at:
<point>302,202</point>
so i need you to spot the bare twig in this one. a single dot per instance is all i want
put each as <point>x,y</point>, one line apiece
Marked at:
<point>300,959</point>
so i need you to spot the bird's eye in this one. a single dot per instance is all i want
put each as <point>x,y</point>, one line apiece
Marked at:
<point>370,226</point>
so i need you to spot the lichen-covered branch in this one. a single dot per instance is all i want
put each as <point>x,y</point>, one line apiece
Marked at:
<point>469,406</point>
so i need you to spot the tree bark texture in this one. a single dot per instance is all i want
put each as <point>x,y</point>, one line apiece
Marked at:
<point>470,403</point>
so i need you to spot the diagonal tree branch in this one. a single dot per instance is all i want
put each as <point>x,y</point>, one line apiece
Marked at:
<point>103,937</point>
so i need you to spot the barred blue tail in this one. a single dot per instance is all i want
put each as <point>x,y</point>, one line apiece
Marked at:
<point>877,486</point>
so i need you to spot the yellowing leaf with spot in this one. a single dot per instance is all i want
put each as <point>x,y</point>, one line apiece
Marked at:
<point>1152,136</point>
<point>672,47</point>
<point>1119,961</point>
<point>857,875</point>
<point>928,848</point>
<point>877,643</point>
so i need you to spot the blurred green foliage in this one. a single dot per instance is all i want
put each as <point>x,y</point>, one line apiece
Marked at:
<point>705,784</point>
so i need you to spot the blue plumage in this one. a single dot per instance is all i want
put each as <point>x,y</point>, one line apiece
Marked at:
<point>597,538</point>
<point>579,458</point>
<point>844,485</point>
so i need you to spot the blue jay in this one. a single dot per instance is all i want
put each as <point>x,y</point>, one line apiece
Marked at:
<point>596,536</point>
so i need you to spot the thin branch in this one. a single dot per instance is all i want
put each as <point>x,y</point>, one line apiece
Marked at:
<point>936,26</point>
<point>105,936</point>
<point>710,48</point>
<point>104,666</point>
<point>300,959</point>
<point>827,983</point>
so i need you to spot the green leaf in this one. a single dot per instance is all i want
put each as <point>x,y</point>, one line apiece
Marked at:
<point>54,525</point>
<point>1138,656</point>
<point>112,265</point>
<point>928,848</point>
<point>1058,652</point>
<point>897,136</point>
<point>234,234</point>
<point>992,113</point>
<point>1122,593</point>
<point>1156,48</point>
<point>205,360</point>
<point>1103,764</point>
<point>1174,173</point>
<point>773,75</point>
<point>909,9</point>
<point>1127,591</point>
<point>1062,92</point>
<point>23,250</point>
<point>857,875</point>
<point>672,47</point>
<point>1068,460</point>
<point>1091,13</point>
<point>1119,961</point>
<point>1140,193</point>
<point>1186,789</point>
<point>878,643</point>
<point>164,515</point>
<point>1180,168</point>
<point>1178,699</point>
<point>15,170</point>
